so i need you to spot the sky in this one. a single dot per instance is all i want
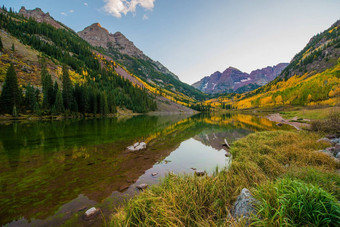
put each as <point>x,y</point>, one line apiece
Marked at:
<point>195,38</point>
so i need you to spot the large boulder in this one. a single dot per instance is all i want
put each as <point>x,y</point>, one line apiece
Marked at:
<point>244,205</point>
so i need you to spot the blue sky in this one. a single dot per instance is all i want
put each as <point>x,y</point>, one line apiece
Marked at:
<point>195,38</point>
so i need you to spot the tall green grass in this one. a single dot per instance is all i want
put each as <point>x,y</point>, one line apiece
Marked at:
<point>288,202</point>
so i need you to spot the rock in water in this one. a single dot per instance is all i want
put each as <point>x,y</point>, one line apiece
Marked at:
<point>137,147</point>
<point>142,186</point>
<point>91,213</point>
<point>200,173</point>
<point>154,174</point>
<point>279,124</point>
<point>243,206</point>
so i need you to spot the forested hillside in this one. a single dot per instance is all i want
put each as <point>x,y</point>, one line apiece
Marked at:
<point>59,67</point>
<point>312,78</point>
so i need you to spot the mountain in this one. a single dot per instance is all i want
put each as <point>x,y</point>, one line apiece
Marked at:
<point>100,82</point>
<point>233,80</point>
<point>118,47</point>
<point>38,15</point>
<point>311,78</point>
<point>320,53</point>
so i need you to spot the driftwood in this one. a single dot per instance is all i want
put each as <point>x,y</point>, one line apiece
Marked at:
<point>226,143</point>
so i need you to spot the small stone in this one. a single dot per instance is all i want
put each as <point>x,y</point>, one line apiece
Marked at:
<point>279,124</point>
<point>338,155</point>
<point>154,174</point>
<point>227,154</point>
<point>142,186</point>
<point>326,140</point>
<point>331,136</point>
<point>287,165</point>
<point>194,169</point>
<point>91,213</point>
<point>200,173</point>
<point>123,188</point>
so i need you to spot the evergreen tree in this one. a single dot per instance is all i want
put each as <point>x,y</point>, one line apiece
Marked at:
<point>47,86</point>
<point>1,46</point>
<point>10,96</point>
<point>13,48</point>
<point>58,105</point>
<point>67,90</point>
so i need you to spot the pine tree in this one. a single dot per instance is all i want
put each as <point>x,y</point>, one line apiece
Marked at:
<point>10,96</point>
<point>13,48</point>
<point>67,90</point>
<point>58,105</point>
<point>1,46</point>
<point>47,86</point>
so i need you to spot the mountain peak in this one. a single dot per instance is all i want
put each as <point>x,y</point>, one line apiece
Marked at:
<point>38,15</point>
<point>96,25</point>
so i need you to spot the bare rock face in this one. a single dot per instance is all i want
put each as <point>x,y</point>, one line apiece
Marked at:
<point>98,36</point>
<point>38,15</point>
<point>232,79</point>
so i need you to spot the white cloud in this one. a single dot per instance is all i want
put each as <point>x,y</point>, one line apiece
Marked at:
<point>85,4</point>
<point>119,7</point>
<point>145,17</point>
<point>71,11</point>
<point>63,13</point>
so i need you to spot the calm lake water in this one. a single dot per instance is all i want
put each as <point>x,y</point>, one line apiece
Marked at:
<point>52,172</point>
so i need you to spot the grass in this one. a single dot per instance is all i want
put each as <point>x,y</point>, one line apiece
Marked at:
<point>288,202</point>
<point>187,200</point>
<point>312,114</point>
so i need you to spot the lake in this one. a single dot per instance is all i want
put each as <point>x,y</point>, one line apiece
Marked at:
<point>51,172</point>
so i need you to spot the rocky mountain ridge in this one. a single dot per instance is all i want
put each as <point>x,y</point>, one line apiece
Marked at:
<point>233,79</point>
<point>99,36</point>
<point>38,15</point>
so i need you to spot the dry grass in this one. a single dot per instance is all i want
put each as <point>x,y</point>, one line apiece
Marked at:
<point>188,200</point>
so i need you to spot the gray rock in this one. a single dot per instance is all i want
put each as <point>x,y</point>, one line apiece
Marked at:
<point>279,124</point>
<point>142,186</point>
<point>243,206</point>
<point>227,154</point>
<point>338,155</point>
<point>200,173</point>
<point>326,140</point>
<point>154,174</point>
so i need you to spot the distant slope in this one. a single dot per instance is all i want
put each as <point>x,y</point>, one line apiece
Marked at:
<point>233,80</point>
<point>311,78</point>
<point>126,53</point>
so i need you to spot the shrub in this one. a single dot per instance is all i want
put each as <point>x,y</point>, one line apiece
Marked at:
<point>295,203</point>
<point>330,125</point>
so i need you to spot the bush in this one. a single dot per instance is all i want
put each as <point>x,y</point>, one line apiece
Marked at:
<point>330,125</point>
<point>295,203</point>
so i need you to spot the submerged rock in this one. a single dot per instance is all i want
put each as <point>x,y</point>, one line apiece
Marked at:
<point>91,213</point>
<point>154,174</point>
<point>142,186</point>
<point>200,173</point>
<point>279,124</point>
<point>244,205</point>
<point>137,146</point>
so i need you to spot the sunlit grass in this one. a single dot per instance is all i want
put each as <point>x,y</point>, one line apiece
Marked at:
<point>187,200</point>
<point>288,202</point>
